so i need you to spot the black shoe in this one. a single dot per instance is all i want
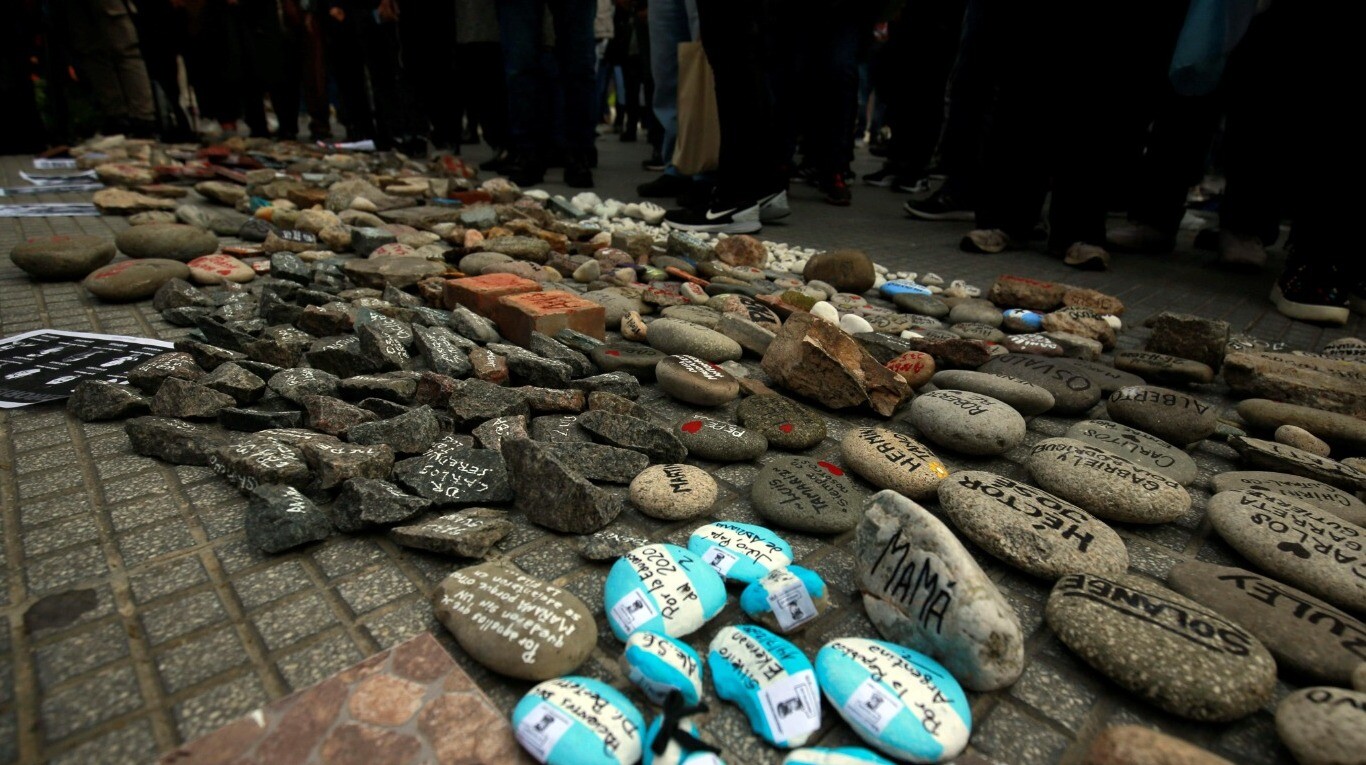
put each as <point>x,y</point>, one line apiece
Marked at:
<point>730,217</point>
<point>471,135</point>
<point>629,135</point>
<point>524,170</point>
<point>939,206</point>
<point>836,190</point>
<point>655,163</point>
<point>577,173</point>
<point>666,185</point>
<point>1311,292</point>
<point>498,163</point>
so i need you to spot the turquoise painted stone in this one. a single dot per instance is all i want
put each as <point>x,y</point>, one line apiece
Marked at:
<point>844,755</point>
<point>674,753</point>
<point>661,588</point>
<point>786,599</point>
<point>741,552</point>
<point>658,664</point>
<point>902,287</point>
<point>578,721</point>
<point>902,702</point>
<point>1020,317</point>
<point>771,681</point>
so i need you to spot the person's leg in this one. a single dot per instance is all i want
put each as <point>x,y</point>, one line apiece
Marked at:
<point>968,101</point>
<point>831,49</point>
<point>519,30</point>
<point>380,46</point>
<point>670,22</point>
<point>489,103</point>
<point>315,79</point>
<point>348,69</point>
<point>926,43</point>
<point>574,53</point>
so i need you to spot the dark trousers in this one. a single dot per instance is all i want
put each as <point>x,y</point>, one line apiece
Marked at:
<point>816,90</point>
<point>531,89</point>
<point>486,96</point>
<point>429,69</point>
<point>914,69</point>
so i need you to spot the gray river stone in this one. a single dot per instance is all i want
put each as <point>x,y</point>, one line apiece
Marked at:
<point>1296,542</point>
<point>676,337</point>
<point>1105,484</point>
<point>465,534</point>
<point>807,495</point>
<point>1029,528</point>
<point>785,423</point>
<point>1161,646</point>
<point>552,494</point>
<point>1323,726</point>
<point>1027,398</point>
<point>891,460</point>
<point>1287,459</point>
<point>626,432</point>
<point>1142,449</point>
<point>1337,429</point>
<point>1306,635</point>
<point>448,474</point>
<point>1162,368</point>
<point>673,492</point>
<point>1074,390</point>
<point>711,439</point>
<point>695,381</point>
<point>1171,415</point>
<point>279,517</point>
<point>922,589</point>
<point>967,422</point>
<point>1306,490</point>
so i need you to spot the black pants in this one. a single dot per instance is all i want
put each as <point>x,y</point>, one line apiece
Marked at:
<point>429,70</point>
<point>486,96</point>
<point>815,79</point>
<point>914,70</point>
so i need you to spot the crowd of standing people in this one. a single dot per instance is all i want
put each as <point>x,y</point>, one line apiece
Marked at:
<point>1036,121</point>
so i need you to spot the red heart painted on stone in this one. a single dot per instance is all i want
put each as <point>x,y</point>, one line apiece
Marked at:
<point>831,469</point>
<point>691,426</point>
<point>786,427</point>
<point>612,353</point>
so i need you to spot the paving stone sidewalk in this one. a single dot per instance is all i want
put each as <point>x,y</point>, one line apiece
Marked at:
<point>134,616</point>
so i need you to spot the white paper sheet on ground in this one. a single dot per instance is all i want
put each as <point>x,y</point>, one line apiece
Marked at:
<point>47,364</point>
<point>49,210</point>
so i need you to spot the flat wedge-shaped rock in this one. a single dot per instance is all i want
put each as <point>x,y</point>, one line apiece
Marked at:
<point>554,496</point>
<point>816,359</point>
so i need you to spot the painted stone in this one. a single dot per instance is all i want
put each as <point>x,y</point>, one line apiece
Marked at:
<point>786,599</point>
<point>923,589</point>
<point>771,681</point>
<point>900,701</point>
<point>843,755</point>
<point>659,665</point>
<point>680,748</point>
<point>662,588</point>
<point>578,721</point>
<point>740,552</point>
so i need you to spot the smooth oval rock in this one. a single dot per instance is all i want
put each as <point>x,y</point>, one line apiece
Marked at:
<point>673,492</point>
<point>1338,429</point>
<point>785,423</point>
<point>916,367</point>
<point>771,681</point>
<point>1075,389</point>
<point>219,268</point>
<point>64,256</point>
<point>1029,528</point>
<point>1162,647</point>
<point>740,552</point>
<point>719,441</point>
<point>1296,542</point>
<point>1172,416</point>
<point>1137,745</point>
<point>1105,484</point>
<point>692,380</point>
<point>786,599</point>
<point>662,588</point>
<point>172,241</point>
<point>898,700</point>
<point>634,358</point>
<point>891,460</point>
<point>1027,398</point>
<point>1287,459</point>
<point>1306,490</point>
<point>1162,368</point>
<point>967,422</point>
<point>515,624</point>
<point>578,721</point>
<point>807,495</point>
<point>1299,438</point>
<point>675,337</point>
<point>1142,449</point>
<point>923,590</point>
<point>659,665</point>
<point>1323,726</point>
<point>1307,636</point>
<point>133,279</point>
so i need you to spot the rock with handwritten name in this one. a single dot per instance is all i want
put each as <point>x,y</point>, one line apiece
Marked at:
<point>785,600</point>
<point>1029,528</point>
<point>1333,385</point>
<point>1027,398</point>
<point>1287,459</point>
<point>770,679</point>
<point>740,552</point>
<point>694,381</point>
<point>1323,726</point>
<point>1161,646</point>
<point>673,492</point>
<point>807,495</point>
<point>659,664</point>
<point>711,439</point>
<point>449,474</point>
<point>578,721</point>
<point>1172,416</point>
<point>1145,450</point>
<point>1306,490</point>
<point>1307,636</point>
<point>280,517</point>
<point>1165,369</point>
<point>891,460</point>
<point>1105,484</point>
<point>1296,542</point>
<point>922,589</point>
<point>785,423</point>
<point>1075,389</point>
<point>900,701</point>
<point>515,624</point>
<point>464,534</point>
<point>661,588</point>
<point>261,460</point>
<point>967,422</point>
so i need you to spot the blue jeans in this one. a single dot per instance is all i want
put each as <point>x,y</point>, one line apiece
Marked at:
<point>671,22</point>
<point>531,89</point>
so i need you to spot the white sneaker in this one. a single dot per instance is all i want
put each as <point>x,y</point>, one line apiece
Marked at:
<point>774,207</point>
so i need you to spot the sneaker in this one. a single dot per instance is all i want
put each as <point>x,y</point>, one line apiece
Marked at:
<point>1241,252</point>
<point>666,185</point>
<point>1310,292</point>
<point>577,174</point>
<point>524,170</point>
<point>1139,238</point>
<point>836,190</point>
<point>919,185</point>
<point>718,217</point>
<point>986,241</point>
<point>655,163</point>
<point>938,206</point>
<point>1088,257</point>
<point>774,206</point>
<point>882,178</point>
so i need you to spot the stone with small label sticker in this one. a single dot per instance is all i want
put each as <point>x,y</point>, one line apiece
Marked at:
<point>967,422</point>
<point>1306,490</point>
<point>843,755</point>
<point>1029,528</point>
<point>1105,484</point>
<point>711,439</point>
<point>740,552</point>
<point>1296,542</point>
<point>578,721</point>
<point>1161,646</point>
<point>786,599</point>
<point>770,679</point>
<point>1172,416</point>
<point>891,460</point>
<point>1323,725</point>
<point>673,492</point>
<point>694,381</point>
<point>661,588</point>
<point>900,701</point>
<point>1142,449</point>
<point>805,494</point>
<point>659,665</point>
<point>923,589</point>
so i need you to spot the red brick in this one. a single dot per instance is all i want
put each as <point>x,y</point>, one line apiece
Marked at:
<point>548,312</point>
<point>481,293</point>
